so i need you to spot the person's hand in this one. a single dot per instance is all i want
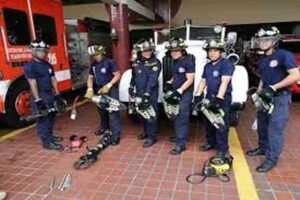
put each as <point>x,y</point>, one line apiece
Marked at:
<point>131,91</point>
<point>41,106</point>
<point>89,93</point>
<point>267,94</point>
<point>215,105</point>
<point>145,104</point>
<point>105,89</point>
<point>198,101</point>
<point>173,98</point>
<point>60,103</point>
<point>167,87</point>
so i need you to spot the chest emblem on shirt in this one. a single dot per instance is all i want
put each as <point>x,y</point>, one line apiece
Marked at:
<point>139,71</point>
<point>215,73</point>
<point>273,63</point>
<point>155,68</point>
<point>50,71</point>
<point>103,70</point>
<point>181,69</point>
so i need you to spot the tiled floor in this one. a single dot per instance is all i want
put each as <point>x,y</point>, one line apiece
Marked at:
<point>129,171</point>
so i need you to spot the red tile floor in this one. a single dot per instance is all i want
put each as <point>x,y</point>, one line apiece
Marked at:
<point>129,171</point>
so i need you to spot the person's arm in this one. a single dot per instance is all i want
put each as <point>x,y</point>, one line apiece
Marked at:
<point>34,88</point>
<point>201,87</point>
<point>116,78</point>
<point>225,80</point>
<point>290,79</point>
<point>189,81</point>
<point>90,81</point>
<point>260,85</point>
<point>54,84</point>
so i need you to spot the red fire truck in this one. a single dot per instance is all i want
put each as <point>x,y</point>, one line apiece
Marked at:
<point>24,20</point>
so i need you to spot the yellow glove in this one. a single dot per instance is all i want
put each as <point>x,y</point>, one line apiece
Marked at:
<point>89,93</point>
<point>105,89</point>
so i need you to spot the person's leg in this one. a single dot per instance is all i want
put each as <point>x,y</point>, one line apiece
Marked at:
<point>277,123</point>
<point>104,120</point>
<point>222,135</point>
<point>182,123</point>
<point>115,119</point>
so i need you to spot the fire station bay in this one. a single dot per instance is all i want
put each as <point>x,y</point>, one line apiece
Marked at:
<point>149,100</point>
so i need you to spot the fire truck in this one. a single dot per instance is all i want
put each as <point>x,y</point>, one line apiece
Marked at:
<point>24,20</point>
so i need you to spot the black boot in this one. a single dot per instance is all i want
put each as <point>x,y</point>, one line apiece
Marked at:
<point>115,142</point>
<point>173,139</point>
<point>177,150</point>
<point>57,138</point>
<point>149,142</point>
<point>53,146</point>
<point>256,152</point>
<point>142,136</point>
<point>100,132</point>
<point>266,166</point>
<point>206,147</point>
<point>220,155</point>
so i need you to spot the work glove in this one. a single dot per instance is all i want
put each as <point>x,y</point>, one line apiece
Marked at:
<point>198,101</point>
<point>60,104</point>
<point>105,89</point>
<point>267,94</point>
<point>41,106</point>
<point>215,104</point>
<point>145,104</point>
<point>131,91</point>
<point>167,87</point>
<point>173,98</point>
<point>89,93</point>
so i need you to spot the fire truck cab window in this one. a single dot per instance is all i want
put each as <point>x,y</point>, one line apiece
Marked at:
<point>17,28</point>
<point>45,28</point>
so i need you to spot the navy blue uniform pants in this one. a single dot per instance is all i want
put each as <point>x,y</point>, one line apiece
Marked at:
<point>271,127</point>
<point>182,120</point>
<point>111,121</point>
<point>219,138</point>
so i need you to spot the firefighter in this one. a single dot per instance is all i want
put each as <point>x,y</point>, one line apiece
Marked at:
<point>40,76</point>
<point>278,70</point>
<point>105,72</point>
<point>144,84</point>
<point>216,79</point>
<point>181,87</point>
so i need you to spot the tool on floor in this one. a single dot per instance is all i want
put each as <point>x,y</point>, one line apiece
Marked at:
<point>65,182</point>
<point>75,143</point>
<point>108,103</point>
<point>213,167</point>
<point>216,119</point>
<point>52,183</point>
<point>91,157</point>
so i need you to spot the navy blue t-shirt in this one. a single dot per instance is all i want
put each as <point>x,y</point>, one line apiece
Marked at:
<point>42,71</point>
<point>213,75</point>
<point>273,68</point>
<point>180,68</point>
<point>103,71</point>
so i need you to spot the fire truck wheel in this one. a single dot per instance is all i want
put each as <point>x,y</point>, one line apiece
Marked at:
<point>234,117</point>
<point>17,104</point>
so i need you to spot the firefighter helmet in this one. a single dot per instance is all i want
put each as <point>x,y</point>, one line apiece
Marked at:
<point>176,44</point>
<point>144,45</point>
<point>268,33</point>
<point>213,44</point>
<point>39,44</point>
<point>96,49</point>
